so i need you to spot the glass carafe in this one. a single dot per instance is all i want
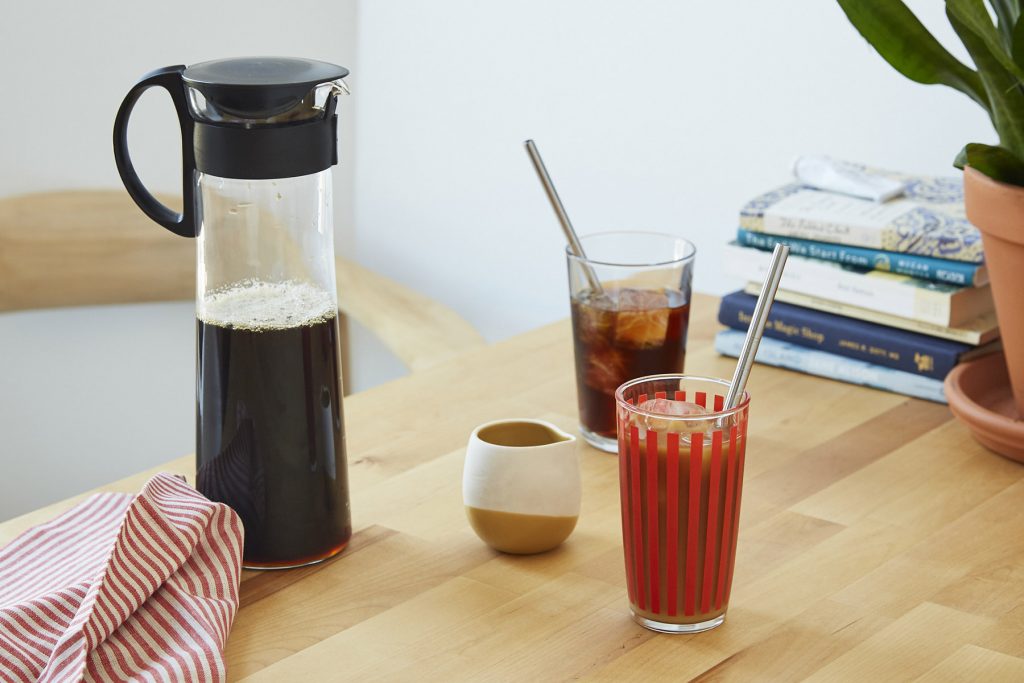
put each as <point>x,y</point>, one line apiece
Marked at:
<point>259,139</point>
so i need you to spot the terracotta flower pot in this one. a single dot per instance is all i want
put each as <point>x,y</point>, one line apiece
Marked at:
<point>997,210</point>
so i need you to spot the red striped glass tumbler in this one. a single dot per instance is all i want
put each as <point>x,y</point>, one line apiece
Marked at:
<point>680,479</point>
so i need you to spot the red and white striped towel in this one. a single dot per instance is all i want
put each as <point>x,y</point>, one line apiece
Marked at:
<point>122,587</point>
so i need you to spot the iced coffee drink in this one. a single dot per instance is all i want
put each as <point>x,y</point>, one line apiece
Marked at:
<point>681,471</point>
<point>620,334</point>
<point>630,312</point>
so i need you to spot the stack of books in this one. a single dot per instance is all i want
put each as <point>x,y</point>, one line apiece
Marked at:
<point>890,295</point>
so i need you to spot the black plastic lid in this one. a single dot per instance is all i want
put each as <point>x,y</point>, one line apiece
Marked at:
<point>259,87</point>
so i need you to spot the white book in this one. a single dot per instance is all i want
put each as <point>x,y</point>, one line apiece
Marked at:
<point>899,295</point>
<point>981,330</point>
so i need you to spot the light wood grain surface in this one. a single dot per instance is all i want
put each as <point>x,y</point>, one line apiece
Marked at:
<point>878,542</point>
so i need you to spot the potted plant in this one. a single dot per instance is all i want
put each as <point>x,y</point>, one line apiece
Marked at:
<point>993,174</point>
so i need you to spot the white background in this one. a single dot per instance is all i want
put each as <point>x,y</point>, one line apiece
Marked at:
<point>651,115</point>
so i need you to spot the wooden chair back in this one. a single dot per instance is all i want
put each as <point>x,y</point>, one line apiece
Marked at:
<point>91,247</point>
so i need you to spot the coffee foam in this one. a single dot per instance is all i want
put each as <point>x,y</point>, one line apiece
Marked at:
<point>257,305</point>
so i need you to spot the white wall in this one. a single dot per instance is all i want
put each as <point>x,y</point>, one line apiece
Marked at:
<point>650,115</point>
<point>92,395</point>
<point>68,65</point>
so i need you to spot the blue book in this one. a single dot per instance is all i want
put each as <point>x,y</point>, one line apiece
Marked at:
<point>888,347</point>
<point>785,355</point>
<point>926,267</point>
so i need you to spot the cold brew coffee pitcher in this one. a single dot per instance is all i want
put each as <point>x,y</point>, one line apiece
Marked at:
<point>259,137</point>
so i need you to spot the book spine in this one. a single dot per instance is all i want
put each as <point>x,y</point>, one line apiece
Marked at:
<point>884,240</point>
<point>818,230</point>
<point>926,267</point>
<point>809,361</point>
<point>974,337</point>
<point>884,293</point>
<point>841,336</point>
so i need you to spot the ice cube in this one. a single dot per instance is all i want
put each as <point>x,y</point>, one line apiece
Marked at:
<point>595,316</point>
<point>627,299</point>
<point>605,368</point>
<point>642,320</point>
<point>672,409</point>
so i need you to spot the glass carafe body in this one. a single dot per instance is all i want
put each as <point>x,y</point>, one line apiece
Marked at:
<point>270,437</point>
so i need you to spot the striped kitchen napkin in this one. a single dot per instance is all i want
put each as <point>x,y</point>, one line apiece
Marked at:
<point>122,587</point>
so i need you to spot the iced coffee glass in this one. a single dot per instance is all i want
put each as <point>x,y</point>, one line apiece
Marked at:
<point>630,311</point>
<point>680,483</point>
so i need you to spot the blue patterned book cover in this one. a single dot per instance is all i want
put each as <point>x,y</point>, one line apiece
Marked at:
<point>928,219</point>
<point>925,267</point>
<point>785,355</point>
<point>886,346</point>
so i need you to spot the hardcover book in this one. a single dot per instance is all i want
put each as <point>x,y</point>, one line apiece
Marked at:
<point>898,349</point>
<point>812,362</point>
<point>900,295</point>
<point>928,219</point>
<point>980,330</point>
<point>926,267</point>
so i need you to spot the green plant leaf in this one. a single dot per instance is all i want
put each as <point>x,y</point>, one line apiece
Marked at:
<point>1017,44</point>
<point>1005,95</point>
<point>1007,12</point>
<point>973,15</point>
<point>997,163</point>
<point>903,41</point>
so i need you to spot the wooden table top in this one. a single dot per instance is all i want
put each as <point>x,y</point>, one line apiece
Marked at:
<point>878,541</point>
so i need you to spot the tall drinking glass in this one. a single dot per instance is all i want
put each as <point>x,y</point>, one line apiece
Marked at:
<point>680,483</point>
<point>630,310</point>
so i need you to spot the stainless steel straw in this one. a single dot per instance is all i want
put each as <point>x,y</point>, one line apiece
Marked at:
<point>757,322</point>
<point>563,217</point>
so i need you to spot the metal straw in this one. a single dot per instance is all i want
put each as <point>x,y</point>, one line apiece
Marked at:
<point>757,322</point>
<point>563,217</point>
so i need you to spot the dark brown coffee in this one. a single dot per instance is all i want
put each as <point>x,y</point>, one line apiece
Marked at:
<point>271,441</point>
<point>619,335</point>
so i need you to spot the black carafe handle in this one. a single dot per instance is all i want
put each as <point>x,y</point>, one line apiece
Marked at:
<point>168,78</point>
